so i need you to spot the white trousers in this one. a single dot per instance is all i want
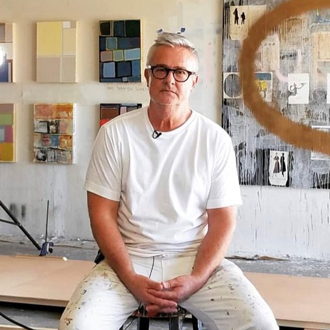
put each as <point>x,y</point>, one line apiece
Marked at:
<point>228,301</point>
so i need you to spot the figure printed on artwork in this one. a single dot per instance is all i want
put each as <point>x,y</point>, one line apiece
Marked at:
<point>293,89</point>
<point>282,163</point>
<point>276,165</point>
<point>237,15</point>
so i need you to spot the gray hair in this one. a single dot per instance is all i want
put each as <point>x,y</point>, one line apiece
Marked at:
<point>172,40</point>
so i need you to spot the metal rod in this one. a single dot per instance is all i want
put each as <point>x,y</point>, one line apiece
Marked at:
<point>9,222</point>
<point>20,225</point>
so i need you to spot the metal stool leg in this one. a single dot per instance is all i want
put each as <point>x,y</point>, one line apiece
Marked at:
<point>197,324</point>
<point>175,323</point>
<point>143,323</point>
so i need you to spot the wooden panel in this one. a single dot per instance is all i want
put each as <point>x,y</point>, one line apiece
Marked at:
<point>40,280</point>
<point>296,301</point>
<point>302,302</point>
<point>9,327</point>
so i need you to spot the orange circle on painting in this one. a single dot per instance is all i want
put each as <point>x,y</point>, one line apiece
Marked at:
<point>268,116</point>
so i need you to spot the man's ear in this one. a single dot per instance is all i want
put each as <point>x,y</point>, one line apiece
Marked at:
<point>195,81</point>
<point>147,76</point>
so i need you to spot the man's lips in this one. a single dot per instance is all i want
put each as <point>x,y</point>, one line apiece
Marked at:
<point>168,91</point>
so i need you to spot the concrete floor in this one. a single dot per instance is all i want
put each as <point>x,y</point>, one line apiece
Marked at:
<point>39,316</point>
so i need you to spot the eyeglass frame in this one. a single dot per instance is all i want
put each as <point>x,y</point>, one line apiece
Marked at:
<point>168,70</point>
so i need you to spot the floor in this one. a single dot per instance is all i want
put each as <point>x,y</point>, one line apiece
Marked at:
<point>38,316</point>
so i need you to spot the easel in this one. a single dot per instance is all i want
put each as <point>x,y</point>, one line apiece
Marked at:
<point>17,223</point>
<point>47,246</point>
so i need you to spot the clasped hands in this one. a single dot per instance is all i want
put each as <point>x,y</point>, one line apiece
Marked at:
<point>163,297</point>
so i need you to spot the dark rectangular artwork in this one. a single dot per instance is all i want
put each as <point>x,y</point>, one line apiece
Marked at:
<point>120,51</point>
<point>109,111</point>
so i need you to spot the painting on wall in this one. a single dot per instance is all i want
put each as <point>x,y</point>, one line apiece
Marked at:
<point>292,68</point>
<point>54,133</point>
<point>120,51</point>
<point>109,111</point>
<point>56,52</point>
<point>7,132</point>
<point>6,52</point>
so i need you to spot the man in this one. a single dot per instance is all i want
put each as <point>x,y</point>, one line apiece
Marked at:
<point>162,194</point>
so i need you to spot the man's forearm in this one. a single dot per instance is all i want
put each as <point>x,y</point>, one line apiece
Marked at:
<point>103,217</point>
<point>215,244</point>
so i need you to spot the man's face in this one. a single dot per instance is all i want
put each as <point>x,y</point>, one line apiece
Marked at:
<point>168,91</point>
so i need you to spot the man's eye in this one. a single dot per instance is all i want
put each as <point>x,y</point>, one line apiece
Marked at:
<point>160,69</point>
<point>181,72</point>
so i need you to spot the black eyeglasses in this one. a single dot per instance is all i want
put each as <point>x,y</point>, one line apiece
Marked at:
<point>161,72</point>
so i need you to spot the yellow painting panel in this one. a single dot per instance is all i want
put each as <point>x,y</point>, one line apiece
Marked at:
<point>69,41</point>
<point>7,152</point>
<point>49,38</point>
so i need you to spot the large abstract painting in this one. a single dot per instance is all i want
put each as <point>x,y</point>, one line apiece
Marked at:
<point>7,132</point>
<point>292,69</point>
<point>120,51</point>
<point>56,52</point>
<point>6,52</point>
<point>54,133</point>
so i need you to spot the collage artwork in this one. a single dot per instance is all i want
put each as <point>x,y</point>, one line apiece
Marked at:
<point>292,72</point>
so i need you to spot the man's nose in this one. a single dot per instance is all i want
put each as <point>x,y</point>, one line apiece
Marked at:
<point>170,77</point>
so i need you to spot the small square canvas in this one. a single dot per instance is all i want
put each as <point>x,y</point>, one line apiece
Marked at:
<point>56,52</point>
<point>54,133</point>
<point>120,51</point>
<point>6,52</point>
<point>109,111</point>
<point>7,132</point>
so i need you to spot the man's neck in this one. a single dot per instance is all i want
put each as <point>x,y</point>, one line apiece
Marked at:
<point>166,118</point>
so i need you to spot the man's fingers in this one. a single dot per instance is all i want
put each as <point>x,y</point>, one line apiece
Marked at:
<point>155,309</point>
<point>170,284</point>
<point>167,295</point>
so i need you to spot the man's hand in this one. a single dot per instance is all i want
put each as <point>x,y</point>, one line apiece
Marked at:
<point>177,289</point>
<point>143,288</point>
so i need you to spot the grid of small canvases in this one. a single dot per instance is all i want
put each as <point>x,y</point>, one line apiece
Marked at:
<point>54,133</point>
<point>119,62</point>
<point>120,51</point>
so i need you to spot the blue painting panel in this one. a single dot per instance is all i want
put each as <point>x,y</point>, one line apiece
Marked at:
<point>109,70</point>
<point>136,68</point>
<point>103,43</point>
<point>132,54</point>
<point>119,29</point>
<point>124,69</point>
<point>127,43</point>
<point>111,43</point>
<point>4,72</point>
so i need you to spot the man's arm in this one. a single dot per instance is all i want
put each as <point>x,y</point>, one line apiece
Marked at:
<point>103,216</point>
<point>221,225</point>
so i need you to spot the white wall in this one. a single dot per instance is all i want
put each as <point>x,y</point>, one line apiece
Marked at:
<point>29,184</point>
<point>272,221</point>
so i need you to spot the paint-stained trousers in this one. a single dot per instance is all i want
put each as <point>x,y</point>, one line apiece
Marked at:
<point>228,301</point>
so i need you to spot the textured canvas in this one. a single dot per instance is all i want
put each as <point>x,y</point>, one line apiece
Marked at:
<point>7,132</point>
<point>120,51</point>
<point>56,52</point>
<point>54,133</point>
<point>109,111</point>
<point>6,52</point>
<point>291,69</point>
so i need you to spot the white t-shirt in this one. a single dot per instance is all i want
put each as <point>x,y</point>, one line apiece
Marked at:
<point>164,185</point>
